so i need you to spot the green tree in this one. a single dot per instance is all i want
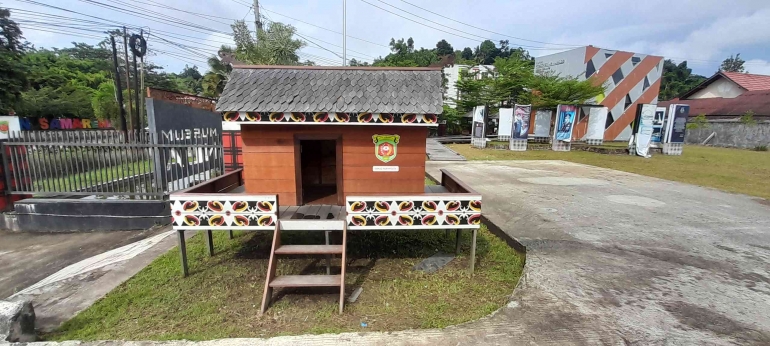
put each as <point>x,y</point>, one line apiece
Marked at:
<point>354,62</point>
<point>215,79</point>
<point>104,104</point>
<point>514,81</point>
<point>486,53</point>
<point>403,54</point>
<point>677,79</point>
<point>12,71</point>
<point>733,64</point>
<point>444,48</point>
<point>551,91</point>
<point>467,53</point>
<point>275,44</point>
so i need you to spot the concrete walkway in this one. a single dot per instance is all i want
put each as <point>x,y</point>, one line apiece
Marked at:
<point>612,258</point>
<point>74,285</point>
<point>439,152</point>
<point>27,258</point>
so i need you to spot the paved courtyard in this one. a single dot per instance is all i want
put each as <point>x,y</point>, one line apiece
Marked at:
<point>612,258</point>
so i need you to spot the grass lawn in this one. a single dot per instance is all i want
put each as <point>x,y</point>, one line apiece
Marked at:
<point>733,170</point>
<point>222,296</point>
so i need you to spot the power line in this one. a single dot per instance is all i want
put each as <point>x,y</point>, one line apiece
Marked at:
<point>439,29</point>
<point>308,38</point>
<point>489,31</point>
<point>327,29</point>
<point>168,20</point>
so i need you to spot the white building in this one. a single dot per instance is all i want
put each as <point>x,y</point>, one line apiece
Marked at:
<point>453,74</point>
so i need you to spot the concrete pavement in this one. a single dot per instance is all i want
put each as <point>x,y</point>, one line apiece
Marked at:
<point>612,258</point>
<point>64,273</point>
<point>439,152</point>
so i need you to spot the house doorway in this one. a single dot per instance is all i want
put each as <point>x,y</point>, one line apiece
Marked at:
<point>319,171</point>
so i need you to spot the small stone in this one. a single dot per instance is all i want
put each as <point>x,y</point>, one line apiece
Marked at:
<point>17,321</point>
<point>353,297</point>
<point>434,263</point>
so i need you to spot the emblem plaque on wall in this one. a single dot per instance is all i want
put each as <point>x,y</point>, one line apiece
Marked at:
<point>385,147</point>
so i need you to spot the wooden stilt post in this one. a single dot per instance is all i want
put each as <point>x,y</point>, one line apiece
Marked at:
<point>457,241</point>
<point>231,234</point>
<point>182,252</point>
<point>473,250</point>
<point>210,242</point>
<point>342,266</point>
<point>328,257</point>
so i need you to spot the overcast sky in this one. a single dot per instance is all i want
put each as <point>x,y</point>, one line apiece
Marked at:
<point>703,32</point>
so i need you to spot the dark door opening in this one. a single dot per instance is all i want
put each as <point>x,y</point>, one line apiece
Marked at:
<point>318,159</point>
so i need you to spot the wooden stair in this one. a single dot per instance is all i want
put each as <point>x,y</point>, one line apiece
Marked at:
<point>277,249</point>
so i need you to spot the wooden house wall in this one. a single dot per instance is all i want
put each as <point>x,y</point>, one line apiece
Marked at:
<point>269,159</point>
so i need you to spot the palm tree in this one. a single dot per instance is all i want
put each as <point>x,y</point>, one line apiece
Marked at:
<point>215,79</point>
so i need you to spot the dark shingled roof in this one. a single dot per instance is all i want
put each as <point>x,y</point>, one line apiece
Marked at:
<point>332,89</point>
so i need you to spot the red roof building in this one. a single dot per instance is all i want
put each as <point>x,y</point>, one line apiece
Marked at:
<point>728,95</point>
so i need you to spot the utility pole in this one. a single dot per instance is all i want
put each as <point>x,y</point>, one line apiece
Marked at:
<point>257,20</point>
<point>344,33</point>
<point>118,91</point>
<point>128,78</point>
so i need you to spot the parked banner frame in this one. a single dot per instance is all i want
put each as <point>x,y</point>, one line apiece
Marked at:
<point>565,121</point>
<point>521,114</point>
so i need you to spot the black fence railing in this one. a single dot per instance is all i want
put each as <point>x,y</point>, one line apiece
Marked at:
<point>110,163</point>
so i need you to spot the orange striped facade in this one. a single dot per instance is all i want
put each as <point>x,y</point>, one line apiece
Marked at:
<point>629,79</point>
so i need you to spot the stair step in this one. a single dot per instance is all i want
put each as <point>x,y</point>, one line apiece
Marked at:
<point>312,225</point>
<point>309,250</point>
<point>307,281</point>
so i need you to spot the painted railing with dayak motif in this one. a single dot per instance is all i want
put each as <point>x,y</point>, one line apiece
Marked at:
<point>460,208</point>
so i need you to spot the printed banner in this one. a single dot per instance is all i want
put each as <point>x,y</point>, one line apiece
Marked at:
<point>506,123</point>
<point>478,129</point>
<point>8,124</point>
<point>658,124</point>
<point>644,134</point>
<point>521,121</point>
<point>543,123</point>
<point>566,117</point>
<point>478,114</point>
<point>597,118</point>
<point>677,123</point>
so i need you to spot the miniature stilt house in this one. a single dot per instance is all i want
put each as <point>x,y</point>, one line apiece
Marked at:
<point>314,135</point>
<point>331,149</point>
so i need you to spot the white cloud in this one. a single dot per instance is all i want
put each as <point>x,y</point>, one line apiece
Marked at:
<point>758,66</point>
<point>720,36</point>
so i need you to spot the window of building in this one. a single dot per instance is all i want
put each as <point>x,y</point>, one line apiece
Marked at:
<point>590,69</point>
<point>617,77</point>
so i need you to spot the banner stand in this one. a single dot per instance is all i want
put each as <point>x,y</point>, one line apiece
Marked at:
<point>673,148</point>
<point>480,143</point>
<point>517,144</point>
<point>566,115</point>
<point>597,118</point>
<point>675,129</point>
<point>520,127</point>
<point>478,139</point>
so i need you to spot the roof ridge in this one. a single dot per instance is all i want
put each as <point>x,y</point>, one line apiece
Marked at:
<point>360,68</point>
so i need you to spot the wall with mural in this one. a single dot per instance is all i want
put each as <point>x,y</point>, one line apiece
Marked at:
<point>629,79</point>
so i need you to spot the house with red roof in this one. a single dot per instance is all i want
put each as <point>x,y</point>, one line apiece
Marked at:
<point>724,99</point>
<point>727,95</point>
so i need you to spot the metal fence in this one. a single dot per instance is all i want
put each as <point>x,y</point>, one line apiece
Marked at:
<point>110,163</point>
